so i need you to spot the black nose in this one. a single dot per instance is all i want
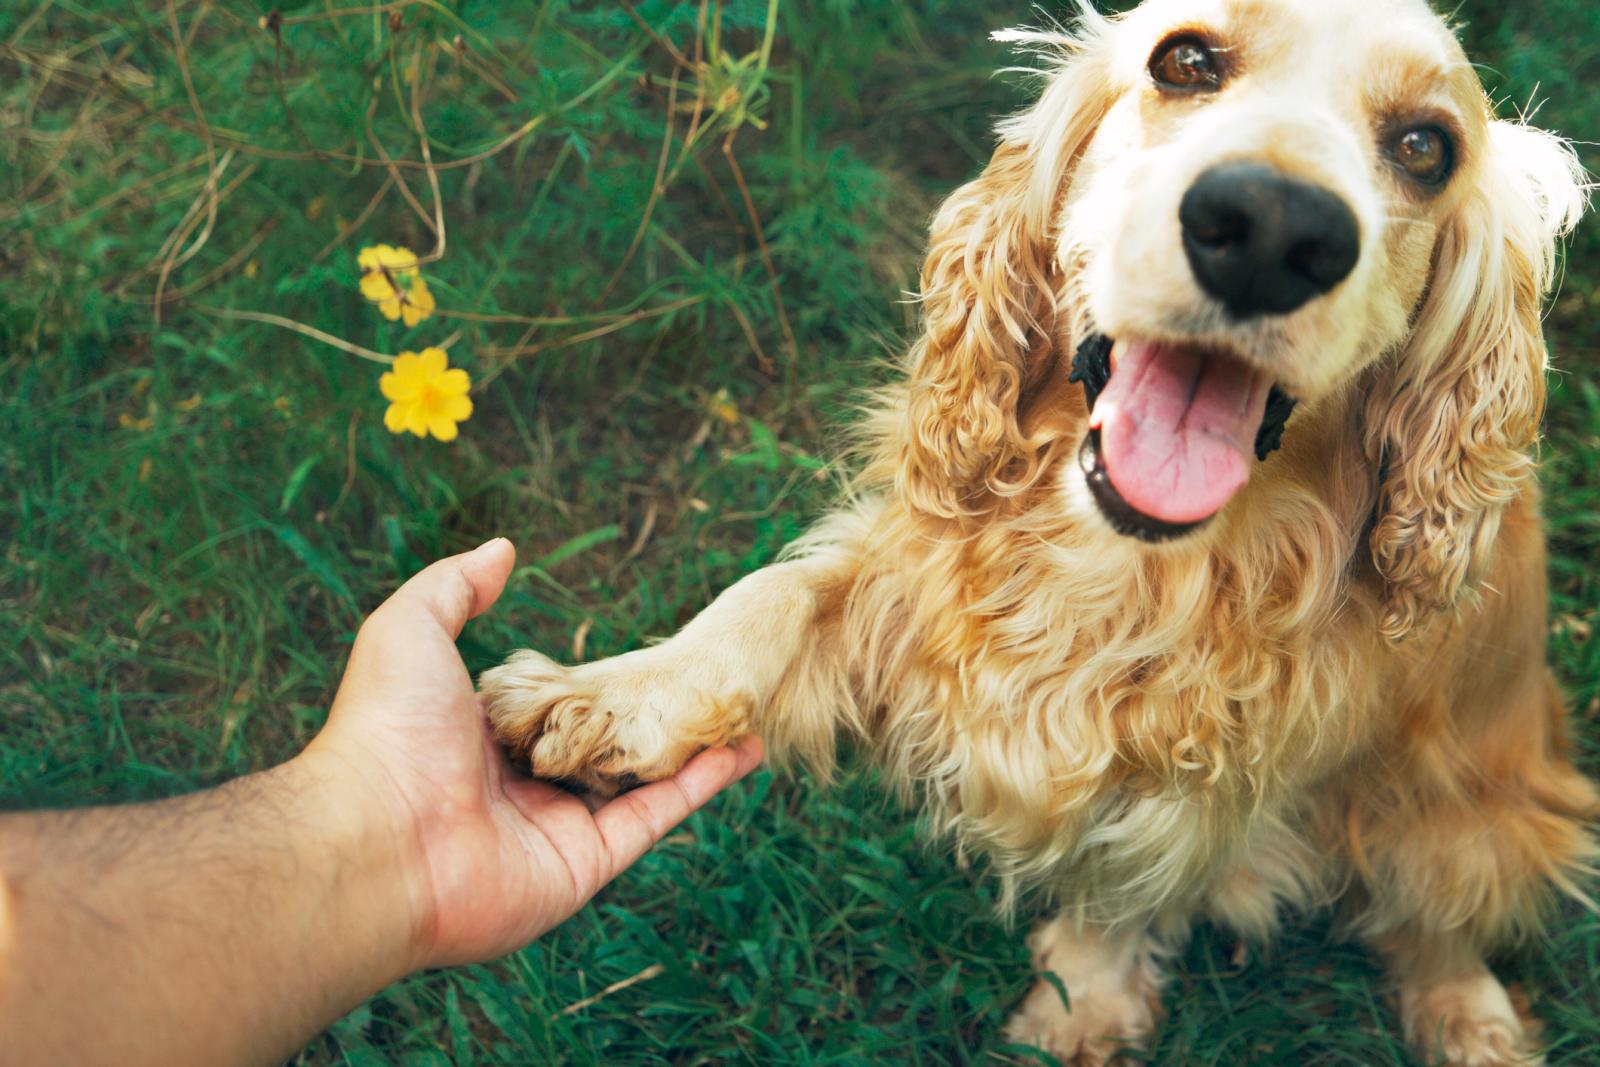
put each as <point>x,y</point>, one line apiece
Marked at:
<point>1264,243</point>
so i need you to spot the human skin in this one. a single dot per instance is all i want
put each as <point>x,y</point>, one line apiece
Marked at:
<point>231,925</point>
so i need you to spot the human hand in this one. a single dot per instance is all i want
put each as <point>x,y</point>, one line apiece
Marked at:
<point>491,859</point>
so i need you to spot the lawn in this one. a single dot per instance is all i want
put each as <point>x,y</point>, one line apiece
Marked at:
<point>669,288</point>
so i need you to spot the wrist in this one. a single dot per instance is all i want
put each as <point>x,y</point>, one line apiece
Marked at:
<point>372,848</point>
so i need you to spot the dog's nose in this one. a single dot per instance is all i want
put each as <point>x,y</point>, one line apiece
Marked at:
<point>1264,243</point>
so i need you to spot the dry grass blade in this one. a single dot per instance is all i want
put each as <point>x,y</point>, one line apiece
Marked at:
<point>347,12</point>
<point>400,183</point>
<point>65,143</point>
<point>222,270</point>
<point>360,220</point>
<point>174,258</point>
<point>298,327</point>
<point>790,346</point>
<point>597,332</point>
<point>645,975</point>
<point>657,187</point>
<point>427,157</point>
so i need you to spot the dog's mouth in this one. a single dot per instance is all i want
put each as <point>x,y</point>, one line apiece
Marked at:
<point>1173,431</point>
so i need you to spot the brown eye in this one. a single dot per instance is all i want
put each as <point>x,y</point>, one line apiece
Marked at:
<point>1426,154</point>
<point>1185,63</point>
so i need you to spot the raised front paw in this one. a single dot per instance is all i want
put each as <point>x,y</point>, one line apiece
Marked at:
<point>610,725</point>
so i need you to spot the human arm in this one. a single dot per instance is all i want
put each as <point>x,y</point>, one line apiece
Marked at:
<point>230,925</point>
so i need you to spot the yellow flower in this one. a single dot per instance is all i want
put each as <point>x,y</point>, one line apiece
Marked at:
<point>724,408</point>
<point>391,279</point>
<point>425,395</point>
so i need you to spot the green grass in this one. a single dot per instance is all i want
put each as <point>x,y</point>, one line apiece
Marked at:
<point>198,511</point>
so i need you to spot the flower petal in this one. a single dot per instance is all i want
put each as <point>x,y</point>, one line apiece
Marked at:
<point>390,309</point>
<point>416,417</point>
<point>406,364</point>
<point>402,385</point>
<point>458,408</point>
<point>375,287</point>
<point>370,257</point>
<point>397,257</point>
<point>443,428</point>
<point>419,303</point>
<point>433,361</point>
<point>453,382</point>
<point>394,419</point>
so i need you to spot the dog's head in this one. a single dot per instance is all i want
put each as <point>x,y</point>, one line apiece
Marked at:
<point>1247,198</point>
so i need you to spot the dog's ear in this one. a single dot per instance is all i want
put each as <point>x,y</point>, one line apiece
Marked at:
<point>988,295</point>
<point>1456,417</point>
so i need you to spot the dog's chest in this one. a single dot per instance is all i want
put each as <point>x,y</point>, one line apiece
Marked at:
<point>1134,766</point>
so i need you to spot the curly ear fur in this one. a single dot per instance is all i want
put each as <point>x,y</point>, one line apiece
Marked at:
<point>1457,415</point>
<point>988,295</point>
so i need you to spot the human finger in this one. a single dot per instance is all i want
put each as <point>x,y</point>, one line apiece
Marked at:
<point>633,822</point>
<point>452,590</point>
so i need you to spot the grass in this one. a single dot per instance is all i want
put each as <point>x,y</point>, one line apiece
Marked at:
<point>199,509</point>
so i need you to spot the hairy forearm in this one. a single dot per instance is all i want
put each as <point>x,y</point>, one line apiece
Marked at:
<point>223,927</point>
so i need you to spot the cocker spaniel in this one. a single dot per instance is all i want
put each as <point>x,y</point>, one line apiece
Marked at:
<point>1196,568</point>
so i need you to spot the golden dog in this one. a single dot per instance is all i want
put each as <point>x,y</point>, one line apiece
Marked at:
<point>1080,607</point>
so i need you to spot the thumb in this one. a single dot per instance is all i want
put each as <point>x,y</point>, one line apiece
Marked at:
<point>454,589</point>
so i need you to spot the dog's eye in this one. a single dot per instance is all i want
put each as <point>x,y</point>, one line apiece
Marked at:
<point>1425,153</point>
<point>1185,63</point>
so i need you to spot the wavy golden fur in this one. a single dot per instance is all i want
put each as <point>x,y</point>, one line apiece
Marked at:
<point>1334,693</point>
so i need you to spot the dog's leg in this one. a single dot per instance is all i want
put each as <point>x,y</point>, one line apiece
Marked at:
<point>1487,887</point>
<point>1454,1011</point>
<point>1113,982</point>
<point>1460,858</point>
<point>761,659</point>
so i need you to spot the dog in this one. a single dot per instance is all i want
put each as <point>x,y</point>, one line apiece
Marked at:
<point>1195,568</point>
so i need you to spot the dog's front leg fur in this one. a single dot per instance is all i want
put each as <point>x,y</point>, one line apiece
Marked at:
<point>640,716</point>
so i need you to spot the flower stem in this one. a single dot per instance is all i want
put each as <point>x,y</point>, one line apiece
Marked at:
<point>297,327</point>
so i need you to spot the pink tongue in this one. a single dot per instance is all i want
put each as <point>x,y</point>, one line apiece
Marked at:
<point>1178,429</point>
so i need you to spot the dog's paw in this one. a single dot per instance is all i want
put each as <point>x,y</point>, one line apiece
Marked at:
<point>610,725</point>
<point>1113,996</point>
<point>1093,1033</point>
<point>1469,1022</point>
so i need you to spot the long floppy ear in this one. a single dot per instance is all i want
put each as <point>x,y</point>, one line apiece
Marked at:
<point>1457,417</point>
<point>988,297</point>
